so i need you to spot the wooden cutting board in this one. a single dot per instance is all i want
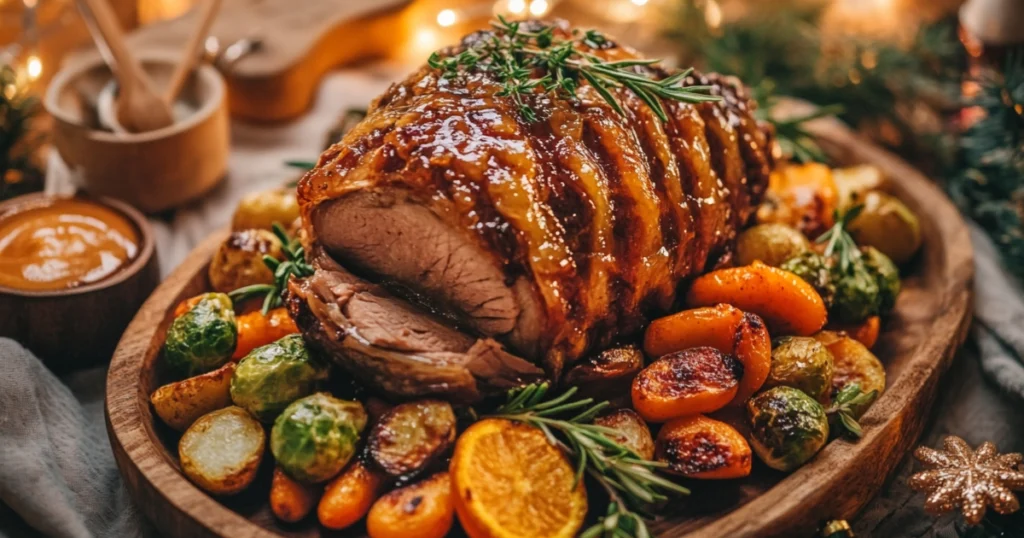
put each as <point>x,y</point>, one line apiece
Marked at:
<point>301,40</point>
<point>917,345</point>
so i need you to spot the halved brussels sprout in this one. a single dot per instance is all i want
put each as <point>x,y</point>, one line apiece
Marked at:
<point>272,376</point>
<point>816,270</point>
<point>771,244</point>
<point>787,427</point>
<point>887,276</point>
<point>803,363</point>
<point>202,338</point>
<point>316,436</point>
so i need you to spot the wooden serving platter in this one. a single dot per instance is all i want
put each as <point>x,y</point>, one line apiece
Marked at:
<point>918,343</point>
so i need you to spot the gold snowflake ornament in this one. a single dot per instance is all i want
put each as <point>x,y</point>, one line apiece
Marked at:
<point>970,479</point>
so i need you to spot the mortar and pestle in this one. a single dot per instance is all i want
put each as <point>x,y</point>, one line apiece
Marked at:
<point>159,136</point>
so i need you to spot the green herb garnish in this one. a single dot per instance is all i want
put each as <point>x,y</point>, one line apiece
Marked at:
<point>845,405</point>
<point>631,482</point>
<point>515,56</point>
<point>294,264</point>
<point>838,241</point>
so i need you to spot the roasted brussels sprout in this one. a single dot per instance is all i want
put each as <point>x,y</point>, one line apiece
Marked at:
<point>816,270</point>
<point>316,436</point>
<point>803,363</point>
<point>203,337</point>
<point>787,427</point>
<point>411,437</point>
<point>239,260</point>
<point>272,376</point>
<point>853,363</point>
<point>857,293</point>
<point>888,225</point>
<point>887,276</point>
<point>770,243</point>
<point>262,209</point>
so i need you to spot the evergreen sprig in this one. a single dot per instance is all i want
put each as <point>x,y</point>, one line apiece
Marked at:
<point>845,405</point>
<point>527,61</point>
<point>631,482</point>
<point>19,171</point>
<point>792,135</point>
<point>294,264</point>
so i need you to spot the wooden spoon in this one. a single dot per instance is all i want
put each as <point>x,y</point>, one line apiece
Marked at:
<point>139,108</point>
<point>191,52</point>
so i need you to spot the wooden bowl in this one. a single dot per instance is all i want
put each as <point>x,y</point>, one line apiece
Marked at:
<point>77,327</point>
<point>918,343</point>
<point>155,170</point>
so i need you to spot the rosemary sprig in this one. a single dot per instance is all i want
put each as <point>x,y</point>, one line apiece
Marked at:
<point>845,405</point>
<point>838,241</point>
<point>631,481</point>
<point>294,264</point>
<point>516,56</point>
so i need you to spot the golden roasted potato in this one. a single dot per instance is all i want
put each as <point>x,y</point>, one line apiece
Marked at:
<point>606,374</point>
<point>181,403</point>
<point>239,260</point>
<point>888,225</point>
<point>262,209</point>
<point>854,182</point>
<point>633,432</point>
<point>222,450</point>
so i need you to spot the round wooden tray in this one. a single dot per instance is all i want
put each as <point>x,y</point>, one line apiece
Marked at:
<point>917,345</point>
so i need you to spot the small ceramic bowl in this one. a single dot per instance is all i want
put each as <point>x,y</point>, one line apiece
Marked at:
<point>78,327</point>
<point>153,171</point>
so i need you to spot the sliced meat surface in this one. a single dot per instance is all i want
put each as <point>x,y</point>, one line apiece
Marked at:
<point>394,347</point>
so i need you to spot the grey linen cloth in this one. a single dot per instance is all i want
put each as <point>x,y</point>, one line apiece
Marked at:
<point>58,477</point>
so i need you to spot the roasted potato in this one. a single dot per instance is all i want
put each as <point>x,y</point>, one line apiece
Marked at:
<point>203,337</point>
<point>695,380</point>
<point>701,447</point>
<point>788,427</point>
<point>181,403</point>
<point>888,225</point>
<point>316,436</point>
<point>222,450</point>
<point>770,243</point>
<point>853,363</point>
<point>272,376</point>
<point>411,437</point>
<point>854,182</point>
<point>633,432</point>
<point>261,210</point>
<point>607,373</point>
<point>239,260</point>
<point>803,363</point>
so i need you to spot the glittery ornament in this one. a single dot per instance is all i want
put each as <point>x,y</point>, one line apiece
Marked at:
<point>972,480</point>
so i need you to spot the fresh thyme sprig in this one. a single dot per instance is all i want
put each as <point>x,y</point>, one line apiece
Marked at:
<point>631,481</point>
<point>839,242</point>
<point>516,56</point>
<point>294,264</point>
<point>845,405</point>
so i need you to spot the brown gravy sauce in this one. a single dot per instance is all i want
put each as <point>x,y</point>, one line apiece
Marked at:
<point>66,243</point>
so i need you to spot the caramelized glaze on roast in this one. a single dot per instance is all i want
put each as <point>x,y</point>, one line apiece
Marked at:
<point>556,237</point>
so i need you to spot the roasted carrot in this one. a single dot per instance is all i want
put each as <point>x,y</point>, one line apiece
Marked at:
<point>421,510</point>
<point>865,332</point>
<point>348,497</point>
<point>291,501</point>
<point>701,447</point>
<point>255,330</point>
<point>695,380</point>
<point>723,327</point>
<point>786,302</point>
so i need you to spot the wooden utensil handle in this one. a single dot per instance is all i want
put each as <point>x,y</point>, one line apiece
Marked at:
<point>129,69</point>
<point>191,52</point>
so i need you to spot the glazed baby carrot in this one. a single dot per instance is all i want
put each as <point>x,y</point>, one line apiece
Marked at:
<point>723,327</point>
<point>421,510</point>
<point>348,497</point>
<point>255,330</point>
<point>695,380</point>
<point>290,500</point>
<point>786,302</point>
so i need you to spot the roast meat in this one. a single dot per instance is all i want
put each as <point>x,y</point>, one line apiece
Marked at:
<point>555,237</point>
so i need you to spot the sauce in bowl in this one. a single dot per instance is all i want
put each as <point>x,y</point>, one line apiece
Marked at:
<point>65,243</point>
